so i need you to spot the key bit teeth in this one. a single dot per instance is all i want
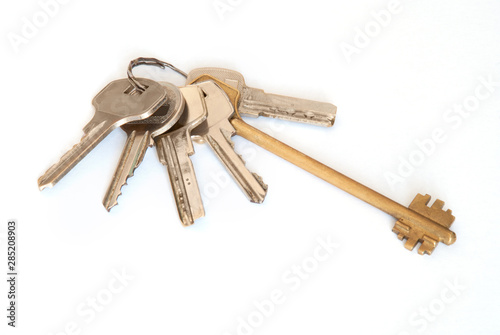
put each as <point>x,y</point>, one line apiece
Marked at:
<point>401,229</point>
<point>261,181</point>
<point>404,231</point>
<point>434,212</point>
<point>438,205</point>
<point>424,199</point>
<point>115,190</point>
<point>428,245</point>
<point>411,243</point>
<point>111,199</point>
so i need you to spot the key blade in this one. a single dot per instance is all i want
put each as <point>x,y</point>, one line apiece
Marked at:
<point>138,141</point>
<point>174,151</point>
<point>217,132</point>
<point>95,134</point>
<point>255,102</point>
<point>250,183</point>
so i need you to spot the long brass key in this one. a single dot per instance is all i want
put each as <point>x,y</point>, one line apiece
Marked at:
<point>417,223</point>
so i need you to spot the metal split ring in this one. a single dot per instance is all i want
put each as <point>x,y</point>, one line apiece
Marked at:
<point>152,62</point>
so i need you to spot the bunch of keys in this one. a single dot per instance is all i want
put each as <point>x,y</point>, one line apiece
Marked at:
<point>208,109</point>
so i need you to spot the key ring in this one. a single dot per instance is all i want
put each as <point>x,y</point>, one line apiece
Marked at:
<point>152,62</point>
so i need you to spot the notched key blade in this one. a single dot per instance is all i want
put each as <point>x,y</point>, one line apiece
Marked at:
<point>256,102</point>
<point>70,159</point>
<point>133,154</point>
<point>182,177</point>
<point>217,132</point>
<point>174,150</point>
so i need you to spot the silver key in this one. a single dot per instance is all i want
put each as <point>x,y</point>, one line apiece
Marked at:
<point>255,102</point>
<point>174,149</point>
<point>117,104</point>
<point>217,132</point>
<point>140,135</point>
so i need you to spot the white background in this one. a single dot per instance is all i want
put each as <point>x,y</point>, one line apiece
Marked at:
<point>397,89</point>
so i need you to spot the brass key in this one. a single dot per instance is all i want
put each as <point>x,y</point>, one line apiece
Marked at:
<point>417,223</point>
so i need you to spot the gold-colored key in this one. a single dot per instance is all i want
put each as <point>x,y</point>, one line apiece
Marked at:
<point>417,223</point>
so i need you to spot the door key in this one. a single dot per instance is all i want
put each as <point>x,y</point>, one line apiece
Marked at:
<point>117,104</point>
